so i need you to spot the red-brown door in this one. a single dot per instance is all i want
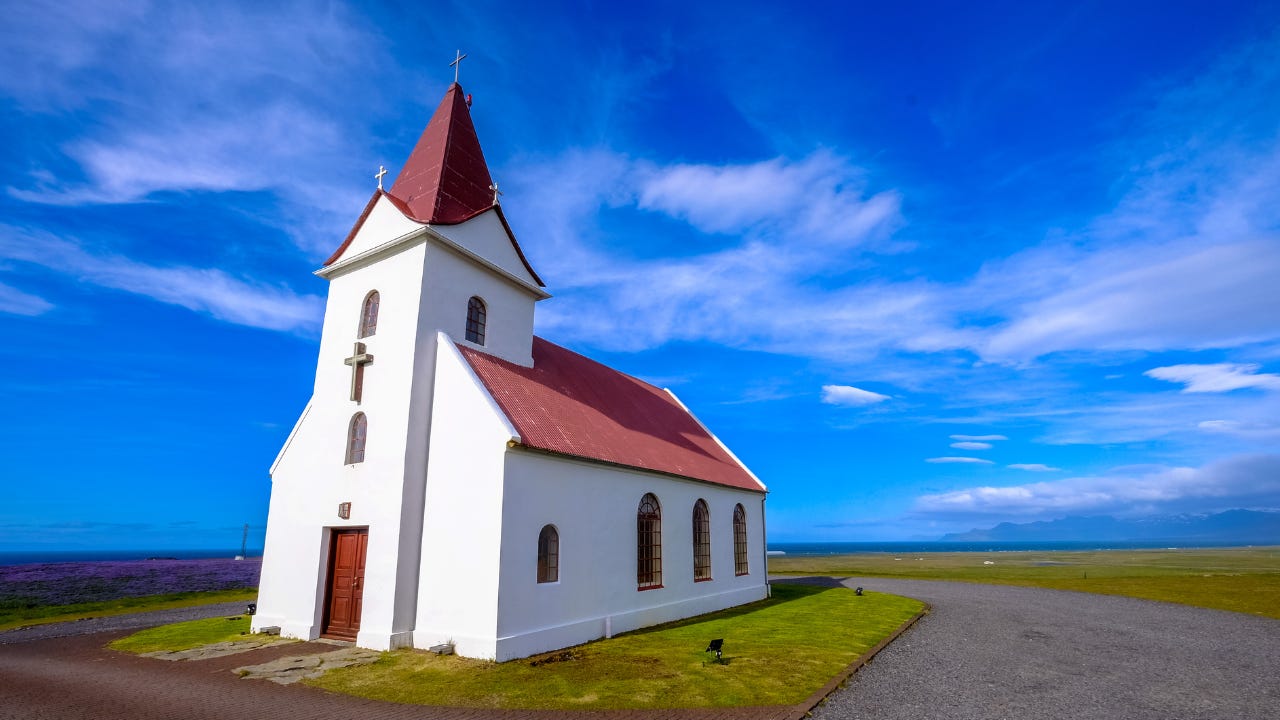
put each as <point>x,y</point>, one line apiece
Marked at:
<point>346,583</point>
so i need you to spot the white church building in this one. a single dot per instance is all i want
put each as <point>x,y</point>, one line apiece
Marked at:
<point>456,479</point>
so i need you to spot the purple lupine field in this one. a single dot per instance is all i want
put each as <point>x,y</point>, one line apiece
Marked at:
<point>65,583</point>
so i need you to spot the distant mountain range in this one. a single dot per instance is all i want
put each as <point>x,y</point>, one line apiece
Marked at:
<point>1251,527</point>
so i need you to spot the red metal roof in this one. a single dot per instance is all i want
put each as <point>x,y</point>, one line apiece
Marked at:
<point>445,180</point>
<point>571,405</point>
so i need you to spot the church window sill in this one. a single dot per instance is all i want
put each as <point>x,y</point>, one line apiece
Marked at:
<point>698,580</point>
<point>649,587</point>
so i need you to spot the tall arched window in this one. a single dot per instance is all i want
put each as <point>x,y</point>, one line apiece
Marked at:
<point>369,315</point>
<point>649,543</point>
<point>475,320</point>
<point>701,541</point>
<point>549,555</point>
<point>355,439</point>
<point>739,540</point>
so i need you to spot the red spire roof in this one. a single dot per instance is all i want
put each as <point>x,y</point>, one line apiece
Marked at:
<point>445,180</point>
<point>571,405</point>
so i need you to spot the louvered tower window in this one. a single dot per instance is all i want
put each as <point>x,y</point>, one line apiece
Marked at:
<point>355,439</point>
<point>369,315</point>
<point>475,320</point>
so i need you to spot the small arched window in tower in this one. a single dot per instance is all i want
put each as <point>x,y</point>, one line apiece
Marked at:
<point>739,540</point>
<point>355,438</point>
<point>475,320</point>
<point>701,541</point>
<point>549,555</point>
<point>369,315</point>
<point>649,543</point>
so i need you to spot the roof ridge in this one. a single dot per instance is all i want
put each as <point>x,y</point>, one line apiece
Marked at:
<point>593,361</point>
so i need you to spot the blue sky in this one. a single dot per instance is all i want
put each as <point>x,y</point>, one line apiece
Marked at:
<point>924,267</point>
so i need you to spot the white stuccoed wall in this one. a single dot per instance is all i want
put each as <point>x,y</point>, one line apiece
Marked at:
<point>593,506</point>
<point>462,531</point>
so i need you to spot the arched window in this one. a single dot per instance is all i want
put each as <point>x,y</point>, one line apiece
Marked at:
<point>649,543</point>
<point>701,541</point>
<point>739,540</point>
<point>549,555</point>
<point>475,320</point>
<point>355,439</point>
<point>369,315</point>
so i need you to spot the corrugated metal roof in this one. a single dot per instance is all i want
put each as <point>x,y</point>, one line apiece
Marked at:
<point>572,405</point>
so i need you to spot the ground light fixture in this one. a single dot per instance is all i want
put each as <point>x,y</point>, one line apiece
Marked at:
<point>716,646</point>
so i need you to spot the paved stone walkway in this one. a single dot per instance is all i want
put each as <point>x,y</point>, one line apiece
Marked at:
<point>990,651</point>
<point>75,677</point>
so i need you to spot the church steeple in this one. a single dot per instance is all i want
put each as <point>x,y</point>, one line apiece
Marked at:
<point>445,181</point>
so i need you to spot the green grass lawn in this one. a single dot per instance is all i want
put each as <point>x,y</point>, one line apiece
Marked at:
<point>778,652</point>
<point>185,635</point>
<point>13,617</point>
<point>1238,579</point>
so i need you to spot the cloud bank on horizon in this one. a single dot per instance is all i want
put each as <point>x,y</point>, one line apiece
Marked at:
<point>899,274</point>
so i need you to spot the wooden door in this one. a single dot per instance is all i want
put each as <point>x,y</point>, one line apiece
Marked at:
<point>346,583</point>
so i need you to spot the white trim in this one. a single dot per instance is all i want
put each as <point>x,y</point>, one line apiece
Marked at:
<point>445,242</point>
<point>426,232</point>
<point>288,440</point>
<point>446,342</point>
<point>327,272</point>
<point>717,439</point>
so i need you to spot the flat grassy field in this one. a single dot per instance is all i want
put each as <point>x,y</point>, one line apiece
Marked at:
<point>1238,579</point>
<point>185,635</point>
<point>777,652</point>
<point>22,616</point>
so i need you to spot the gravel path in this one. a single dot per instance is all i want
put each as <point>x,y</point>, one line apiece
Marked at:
<point>990,651</point>
<point>119,622</point>
<point>986,651</point>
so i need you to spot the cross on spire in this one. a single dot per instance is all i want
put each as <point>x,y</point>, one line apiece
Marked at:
<point>357,361</point>
<point>381,171</point>
<point>457,64</point>
<point>496,192</point>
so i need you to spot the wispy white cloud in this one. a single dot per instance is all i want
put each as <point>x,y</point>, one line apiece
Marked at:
<point>959,460</point>
<point>15,302</point>
<point>1138,296</point>
<point>978,438</point>
<point>850,396</point>
<point>1253,430</point>
<point>820,197</point>
<point>206,290</point>
<point>1241,481</point>
<point>1034,467</point>
<point>1216,378</point>
<point>971,445</point>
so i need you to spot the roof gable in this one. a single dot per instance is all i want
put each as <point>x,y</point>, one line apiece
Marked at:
<point>571,405</point>
<point>383,219</point>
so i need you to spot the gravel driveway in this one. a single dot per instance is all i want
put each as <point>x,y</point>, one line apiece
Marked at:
<point>990,651</point>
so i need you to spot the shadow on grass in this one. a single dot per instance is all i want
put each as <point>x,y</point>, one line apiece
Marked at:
<point>781,593</point>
